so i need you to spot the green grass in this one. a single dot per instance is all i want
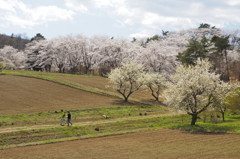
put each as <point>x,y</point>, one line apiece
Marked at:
<point>231,125</point>
<point>181,122</point>
<point>79,115</point>
<point>36,73</point>
<point>49,134</point>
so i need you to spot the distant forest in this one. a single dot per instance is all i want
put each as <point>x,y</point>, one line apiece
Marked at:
<point>17,41</point>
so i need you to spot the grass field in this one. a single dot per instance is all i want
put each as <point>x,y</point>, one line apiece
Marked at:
<point>30,104</point>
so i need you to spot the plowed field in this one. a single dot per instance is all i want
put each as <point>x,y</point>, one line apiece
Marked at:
<point>159,144</point>
<point>27,95</point>
<point>104,83</point>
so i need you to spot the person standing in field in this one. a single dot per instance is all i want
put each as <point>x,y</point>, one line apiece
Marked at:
<point>62,119</point>
<point>69,116</point>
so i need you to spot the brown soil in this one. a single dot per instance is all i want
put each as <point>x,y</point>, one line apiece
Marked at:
<point>104,83</point>
<point>166,144</point>
<point>27,95</point>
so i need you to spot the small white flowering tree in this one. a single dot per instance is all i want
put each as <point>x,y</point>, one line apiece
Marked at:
<point>194,89</point>
<point>156,83</point>
<point>233,100</point>
<point>127,79</point>
<point>220,99</point>
<point>1,66</point>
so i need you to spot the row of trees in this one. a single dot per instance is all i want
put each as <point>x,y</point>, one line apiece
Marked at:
<point>192,89</point>
<point>131,76</point>
<point>81,54</point>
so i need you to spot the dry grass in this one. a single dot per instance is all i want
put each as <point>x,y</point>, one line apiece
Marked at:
<point>164,143</point>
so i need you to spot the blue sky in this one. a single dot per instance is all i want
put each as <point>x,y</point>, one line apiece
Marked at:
<point>117,18</point>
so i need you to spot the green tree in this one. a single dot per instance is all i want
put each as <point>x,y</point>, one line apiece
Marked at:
<point>221,44</point>
<point>38,37</point>
<point>206,25</point>
<point>155,37</point>
<point>195,50</point>
<point>165,33</point>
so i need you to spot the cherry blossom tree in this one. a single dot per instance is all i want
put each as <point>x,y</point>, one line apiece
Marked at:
<point>12,57</point>
<point>112,52</point>
<point>194,89</point>
<point>233,100</point>
<point>60,51</point>
<point>8,52</point>
<point>220,100</point>
<point>127,79</point>
<point>156,58</point>
<point>33,51</point>
<point>156,83</point>
<point>89,54</point>
<point>6,63</point>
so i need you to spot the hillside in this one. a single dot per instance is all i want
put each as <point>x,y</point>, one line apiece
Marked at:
<point>26,95</point>
<point>16,41</point>
<point>29,123</point>
<point>42,91</point>
<point>102,83</point>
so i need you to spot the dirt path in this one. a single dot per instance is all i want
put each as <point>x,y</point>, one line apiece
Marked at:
<point>158,144</point>
<point>14,129</point>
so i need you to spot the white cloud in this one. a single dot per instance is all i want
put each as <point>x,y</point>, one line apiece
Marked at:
<point>5,6</point>
<point>109,3</point>
<point>142,34</point>
<point>76,6</point>
<point>155,21</point>
<point>233,2</point>
<point>139,18</point>
<point>19,14</point>
<point>226,15</point>
<point>170,15</point>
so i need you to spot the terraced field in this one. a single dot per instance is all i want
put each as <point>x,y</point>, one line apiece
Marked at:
<point>143,95</point>
<point>30,105</point>
<point>26,95</point>
<point>166,144</point>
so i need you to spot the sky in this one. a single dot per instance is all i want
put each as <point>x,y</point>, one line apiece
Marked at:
<point>114,18</point>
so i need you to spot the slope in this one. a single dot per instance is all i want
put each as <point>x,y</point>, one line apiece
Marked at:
<point>26,95</point>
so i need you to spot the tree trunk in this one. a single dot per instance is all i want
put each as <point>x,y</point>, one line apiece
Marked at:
<point>125,98</point>
<point>223,116</point>
<point>227,66</point>
<point>194,119</point>
<point>155,96</point>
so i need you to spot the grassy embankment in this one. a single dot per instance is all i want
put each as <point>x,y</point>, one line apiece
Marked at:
<point>80,115</point>
<point>182,122</point>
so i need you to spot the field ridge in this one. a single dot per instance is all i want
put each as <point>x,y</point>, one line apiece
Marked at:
<point>37,127</point>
